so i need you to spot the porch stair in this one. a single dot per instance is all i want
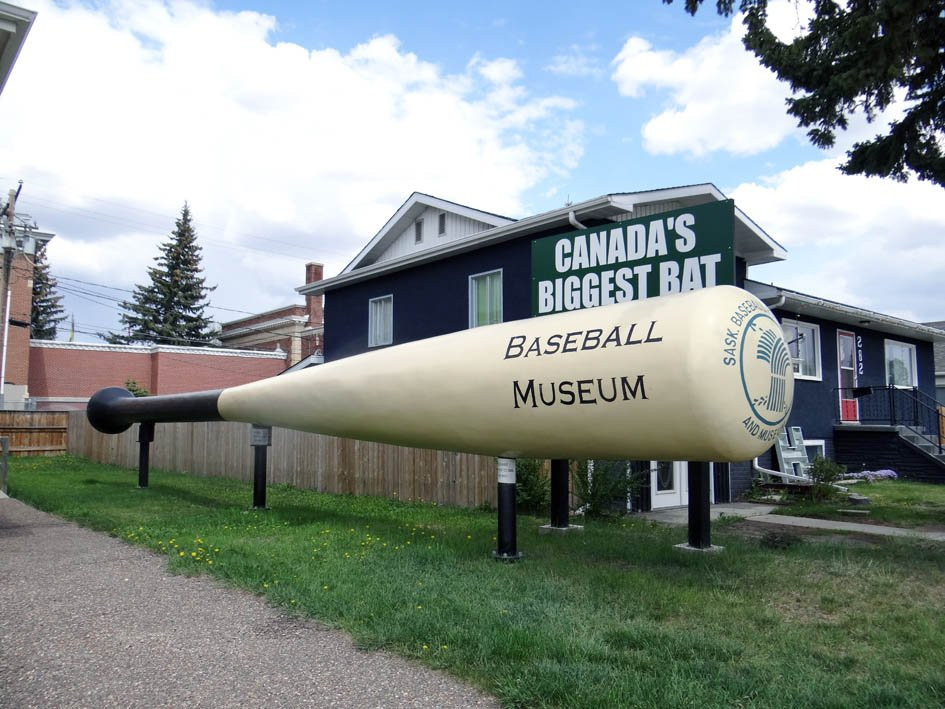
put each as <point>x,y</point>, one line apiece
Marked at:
<point>920,440</point>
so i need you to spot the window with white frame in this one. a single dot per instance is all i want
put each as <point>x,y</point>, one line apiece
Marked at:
<point>381,321</point>
<point>485,298</point>
<point>803,341</point>
<point>418,231</point>
<point>900,364</point>
<point>441,224</point>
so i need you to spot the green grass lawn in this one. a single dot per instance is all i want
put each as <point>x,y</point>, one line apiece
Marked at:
<point>611,617</point>
<point>896,502</point>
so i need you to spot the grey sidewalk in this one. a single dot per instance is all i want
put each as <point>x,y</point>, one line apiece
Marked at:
<point>761,514</point>
<point>86,620</point>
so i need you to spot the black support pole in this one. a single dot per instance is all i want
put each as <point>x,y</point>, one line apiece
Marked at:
<point>145,438</point>
<point>699,534</point>
<point>559,493</point>
<point>506,547</point>
<point>259,477</point>
<point>260,440</point>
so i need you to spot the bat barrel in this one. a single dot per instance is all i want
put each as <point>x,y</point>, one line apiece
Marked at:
<point>113,409</point>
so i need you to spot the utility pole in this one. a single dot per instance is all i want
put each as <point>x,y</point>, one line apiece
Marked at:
<point>19,238</point>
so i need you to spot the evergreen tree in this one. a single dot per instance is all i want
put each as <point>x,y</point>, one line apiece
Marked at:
<point>47,311</point>
<point>859,57</point>
<point>170,309</point>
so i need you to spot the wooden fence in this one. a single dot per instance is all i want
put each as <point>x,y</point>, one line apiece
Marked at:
<point>35,432</point>
<point>304,460</point>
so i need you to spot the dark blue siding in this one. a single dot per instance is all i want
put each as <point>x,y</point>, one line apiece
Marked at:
<point>433,299</point>
<point>430,299</point>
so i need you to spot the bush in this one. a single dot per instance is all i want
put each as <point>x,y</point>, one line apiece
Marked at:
<point>135,388</point>
<point>604,489</point>
<point>824,474</point>
<point>533,486</point>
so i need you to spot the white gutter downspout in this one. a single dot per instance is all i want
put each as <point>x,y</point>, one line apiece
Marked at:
<point>574,222</point>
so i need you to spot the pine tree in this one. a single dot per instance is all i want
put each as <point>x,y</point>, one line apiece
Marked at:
<point>170,309</point>
<point>47,311</point>
<point>859,56</point>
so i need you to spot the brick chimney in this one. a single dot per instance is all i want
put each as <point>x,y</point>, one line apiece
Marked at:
<point>314,272</point>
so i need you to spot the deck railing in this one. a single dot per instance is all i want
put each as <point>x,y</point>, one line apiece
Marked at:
<point>897,406</point>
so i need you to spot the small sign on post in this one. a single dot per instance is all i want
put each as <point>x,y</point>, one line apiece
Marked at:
<point>260,440</point>
<point>261,435</point>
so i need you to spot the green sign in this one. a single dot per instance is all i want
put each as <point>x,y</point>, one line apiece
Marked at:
<point>670,252</point>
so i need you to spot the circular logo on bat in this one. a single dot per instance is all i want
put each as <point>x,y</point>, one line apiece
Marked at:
<point>765,364</point>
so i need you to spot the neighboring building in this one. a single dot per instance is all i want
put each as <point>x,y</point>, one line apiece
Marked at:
<point>15,24</point>
<point>939,363</point>
<point>18,241</point>
<point>296,330</point>
<point>63,375</point>
<point>438,267</point>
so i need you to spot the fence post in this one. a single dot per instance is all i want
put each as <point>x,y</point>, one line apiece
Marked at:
<point>892,404</point>
<point>4,462</point>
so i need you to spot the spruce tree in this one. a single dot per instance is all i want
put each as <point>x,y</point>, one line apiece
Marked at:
<point>170,309</point>
<point>861,55</point>
<point>47,311</point>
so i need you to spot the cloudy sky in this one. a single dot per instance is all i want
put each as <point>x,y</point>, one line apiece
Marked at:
<point>295,129</point>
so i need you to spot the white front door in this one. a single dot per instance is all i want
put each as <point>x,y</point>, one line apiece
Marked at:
<point>669,483</point>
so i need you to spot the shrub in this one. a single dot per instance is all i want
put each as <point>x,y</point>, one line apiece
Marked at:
<point>135,388</point>
<point>604,489</point>
<point>824,474</point>
<point>533,486</point>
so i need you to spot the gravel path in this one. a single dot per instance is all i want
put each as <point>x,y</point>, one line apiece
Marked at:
<point>86,620</point>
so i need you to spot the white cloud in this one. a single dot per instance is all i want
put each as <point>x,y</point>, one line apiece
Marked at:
<point>575,62</point>
<point>145,104</point>
<point>864,241</point>
<point>719,96</point>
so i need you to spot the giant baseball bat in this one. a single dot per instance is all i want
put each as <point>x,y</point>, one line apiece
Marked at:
<point>704,375</point>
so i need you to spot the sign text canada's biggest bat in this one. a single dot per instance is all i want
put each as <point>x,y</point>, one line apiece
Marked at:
<point>704,375</point>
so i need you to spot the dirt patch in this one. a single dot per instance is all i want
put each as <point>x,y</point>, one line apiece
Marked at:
<point>751,531</point>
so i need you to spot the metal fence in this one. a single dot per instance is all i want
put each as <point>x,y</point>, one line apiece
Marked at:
<point>895,406</point>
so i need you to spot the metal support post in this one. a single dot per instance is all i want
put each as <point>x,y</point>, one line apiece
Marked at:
<point>559,493</point>
<point>145,438</point>
<point>261,439</point>
<point>699,515</point>
<point>560,521</point>
<point>506,549</point>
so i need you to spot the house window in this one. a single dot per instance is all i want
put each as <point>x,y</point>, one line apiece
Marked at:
<point>441,224</point>
<point>803,340</point>
<point>900,364</point>
<point>381,321</point>
<point>418,231</point>
<point>485,298</point>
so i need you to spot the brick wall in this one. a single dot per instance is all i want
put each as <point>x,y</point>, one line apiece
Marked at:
<point>77,370</point>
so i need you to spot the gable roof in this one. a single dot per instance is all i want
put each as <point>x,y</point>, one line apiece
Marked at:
<point>408,212</point>
<point>752,243</point>
<point>15,23</point>
<point>817,307</point>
